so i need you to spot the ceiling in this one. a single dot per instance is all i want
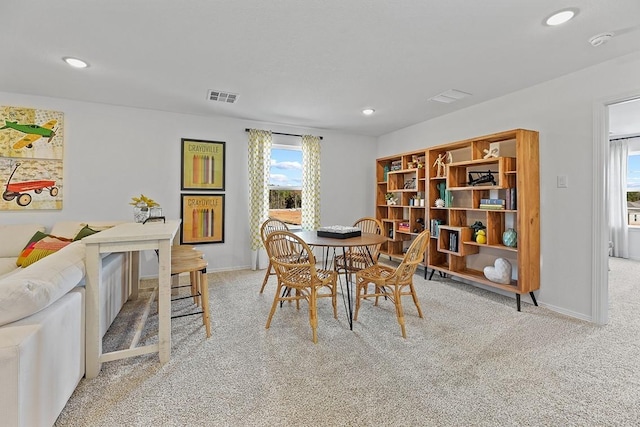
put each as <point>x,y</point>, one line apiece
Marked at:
<point>312,63</point>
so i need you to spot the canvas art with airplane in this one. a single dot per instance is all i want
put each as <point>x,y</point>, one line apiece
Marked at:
<point>31,149</point>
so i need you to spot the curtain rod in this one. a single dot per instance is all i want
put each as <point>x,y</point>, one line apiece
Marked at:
<point>280,133</point>
<point>624,137</point>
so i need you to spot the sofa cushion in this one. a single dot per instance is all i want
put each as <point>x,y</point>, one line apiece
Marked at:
<point>39,235</point>
<point>33,243</point>
<point>7,266</point>
<point>36,287</point>
<point>67,229</point>
<point>41,362</point>
<point>15,237</point>
<point>70,229</point>
<point>86,231</point>
<point>43,248</point>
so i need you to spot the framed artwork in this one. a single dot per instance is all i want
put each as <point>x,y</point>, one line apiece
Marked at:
<point>203,164</point>
<point>202,218</point>
<point>31,164</point>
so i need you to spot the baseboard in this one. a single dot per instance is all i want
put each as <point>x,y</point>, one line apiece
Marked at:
<point>568,313</point>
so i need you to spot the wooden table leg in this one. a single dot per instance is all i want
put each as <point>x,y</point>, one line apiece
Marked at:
<point>93,340</point>
<point>164,301</point>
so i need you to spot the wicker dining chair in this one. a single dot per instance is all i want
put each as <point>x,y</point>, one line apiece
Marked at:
<point>267,228</point>
<point>393,283</point>
<point>295,267</point>
<point>359,258</point>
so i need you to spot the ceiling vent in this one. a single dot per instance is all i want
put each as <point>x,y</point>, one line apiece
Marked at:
<point>449,96</point>
<point>226,97</point>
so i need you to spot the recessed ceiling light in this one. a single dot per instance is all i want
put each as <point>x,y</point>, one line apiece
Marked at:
<point>75,62</point>
<point>561,17</point>
<point>368,111</point>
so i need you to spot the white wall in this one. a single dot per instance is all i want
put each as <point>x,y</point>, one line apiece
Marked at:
<point>562,111</point>
<point>114,153</point>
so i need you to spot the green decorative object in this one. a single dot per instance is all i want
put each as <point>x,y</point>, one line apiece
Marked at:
<point>510,238</point>
<point>441,188</point>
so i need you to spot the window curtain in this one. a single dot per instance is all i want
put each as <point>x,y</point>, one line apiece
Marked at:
<point>259,166</point>
<point>310,182</point>
<point>617,198</point>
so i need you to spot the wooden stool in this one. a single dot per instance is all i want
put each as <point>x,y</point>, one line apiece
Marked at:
<point>192,262</point>
<point>182,252</point>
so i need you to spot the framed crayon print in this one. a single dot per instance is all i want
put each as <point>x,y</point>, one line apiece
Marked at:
<point>203,164</point>
<point>202,218</point>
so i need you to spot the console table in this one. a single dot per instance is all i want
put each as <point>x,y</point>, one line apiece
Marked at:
<point>131,238</point>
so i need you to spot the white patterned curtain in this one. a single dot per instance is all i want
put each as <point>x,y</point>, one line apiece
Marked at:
<point>617,198</point>
<point>310,182</point>
<point>259,166</point>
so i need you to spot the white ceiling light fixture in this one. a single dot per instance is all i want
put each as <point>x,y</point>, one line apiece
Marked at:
<point>368,111</point>
<point>449,96</point>
<point>75,62</point>
<point>560,17</point>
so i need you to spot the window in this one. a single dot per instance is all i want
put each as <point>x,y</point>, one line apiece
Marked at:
<point>633,188</point>
<point>285,184</point>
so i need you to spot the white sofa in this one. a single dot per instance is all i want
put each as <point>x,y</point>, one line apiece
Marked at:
<point>42,323</point>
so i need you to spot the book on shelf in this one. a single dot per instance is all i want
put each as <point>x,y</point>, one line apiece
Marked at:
<point>511,201</point>
<point>492,201</point>
<point>492,207</point>
<point>492,204</point>
<point>453,242</point>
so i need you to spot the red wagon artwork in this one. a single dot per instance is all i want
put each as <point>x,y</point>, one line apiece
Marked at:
<point>18,190</point>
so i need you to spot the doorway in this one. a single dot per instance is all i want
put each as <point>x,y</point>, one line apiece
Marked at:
<point>603,111</point>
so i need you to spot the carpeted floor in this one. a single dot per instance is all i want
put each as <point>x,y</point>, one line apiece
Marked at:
<point>473,360</point>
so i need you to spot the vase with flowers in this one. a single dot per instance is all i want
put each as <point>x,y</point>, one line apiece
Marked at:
<point>145,208</point>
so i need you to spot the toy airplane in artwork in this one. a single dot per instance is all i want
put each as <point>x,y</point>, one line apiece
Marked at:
<point>33,132</point>
<point>481,178</point>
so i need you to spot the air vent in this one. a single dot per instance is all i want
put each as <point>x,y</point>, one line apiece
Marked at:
<point>218,95</point>
<point>449,96</point>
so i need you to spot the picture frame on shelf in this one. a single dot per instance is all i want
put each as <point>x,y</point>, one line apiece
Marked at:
<point>203,165</point>
<point>202,218</point>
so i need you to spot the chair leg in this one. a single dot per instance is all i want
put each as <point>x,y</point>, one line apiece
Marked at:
<point>274,305</point>
<point>334,300</point>
<point>360,293</point>
<point>415,299</point>
<point>399,311</point>
<point>378,290</point>
<point>266,277</point>
<point>204,288</point>
<point>195,289</point>
<point>313,314</point>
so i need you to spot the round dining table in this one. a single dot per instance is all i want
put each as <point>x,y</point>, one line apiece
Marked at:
<point>312,239</point>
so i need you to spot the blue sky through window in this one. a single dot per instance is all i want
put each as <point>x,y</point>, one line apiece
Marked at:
<point>633,173</point>
<point>286,168</point>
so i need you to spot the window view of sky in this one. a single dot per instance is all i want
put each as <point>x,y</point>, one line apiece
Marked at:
<point>286,168</point>
<point>633,173</point>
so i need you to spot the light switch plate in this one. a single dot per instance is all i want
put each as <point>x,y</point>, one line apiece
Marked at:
<point>563,181</point>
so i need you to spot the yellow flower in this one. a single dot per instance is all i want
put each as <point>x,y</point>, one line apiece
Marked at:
<point>144,199</point>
